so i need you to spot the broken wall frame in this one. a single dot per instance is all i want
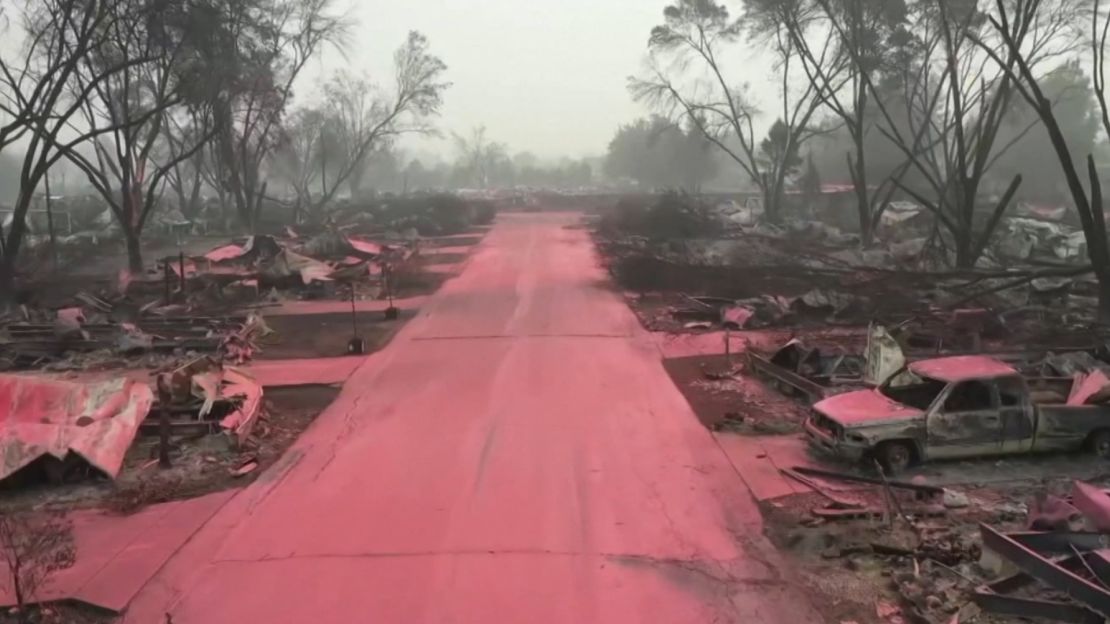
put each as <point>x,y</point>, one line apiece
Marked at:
<point>1052,573</point>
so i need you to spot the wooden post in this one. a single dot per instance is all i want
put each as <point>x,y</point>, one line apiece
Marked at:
<point>181,267</point>
<point>164,438</point>
<point>167,280</point>
<point>354,313</point>
<point>391,313</point>
<point>163,389</point>
<point>388,275</point>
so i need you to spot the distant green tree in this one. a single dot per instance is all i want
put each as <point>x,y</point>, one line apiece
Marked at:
<point>696,36</point>
<point>956,102</point>
<point>245,67</point>
<point>810,181</point>
<point>632,153</point>
<point>657,153</point>
<point>1069,88</point>
<point>844,46</point>
<point>1010,24</point>
<point>778,147</point>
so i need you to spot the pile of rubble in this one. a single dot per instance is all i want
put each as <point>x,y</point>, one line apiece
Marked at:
<point>157,354</point>
<point>243,271</point>
<point>420,214</point>
<point>1056,570</point>
<point>946,562</point>
<point>806,270</point>
<point>97,335</point>
<point>768,310</point>
<point>185,306</point>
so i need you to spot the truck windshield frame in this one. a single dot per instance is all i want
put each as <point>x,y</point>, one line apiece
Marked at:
<point>907,388</point>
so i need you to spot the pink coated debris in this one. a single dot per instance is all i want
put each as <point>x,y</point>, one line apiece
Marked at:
<point>962,368</point>
<point>225,253</point>
<point>1094,503</point>
<point>863,406</point>
<point>236,384</point>
<point>97,421</point>
<point>737,316</point>
<point>1089,388</point>
<point>366,247</point>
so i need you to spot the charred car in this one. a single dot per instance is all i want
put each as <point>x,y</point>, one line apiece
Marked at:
<point>961,407</point>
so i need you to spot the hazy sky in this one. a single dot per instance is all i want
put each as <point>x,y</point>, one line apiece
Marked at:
<point>542,76</point>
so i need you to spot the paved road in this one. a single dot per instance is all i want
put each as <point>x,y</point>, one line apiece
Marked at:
<point>517,454</point>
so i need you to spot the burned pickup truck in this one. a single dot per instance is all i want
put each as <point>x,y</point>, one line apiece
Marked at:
<point>964,406</point>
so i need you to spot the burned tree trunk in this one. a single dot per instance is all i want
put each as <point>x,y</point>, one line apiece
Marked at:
<point>961,234</point>
<point>194,205</point>
<point>863,199</point>
<point>7,279</point>
<point>129,213</point>
<point>13,243</point>
<point>1098,247</point>
<point>134,249</point>
<point>772,207</point>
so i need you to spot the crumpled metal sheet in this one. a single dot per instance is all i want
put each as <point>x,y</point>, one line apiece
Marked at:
<point>239,384</point>
<point>1094,503</point>
<point>97,421</point>
<point>214,383</point>
<point>1090,388</point>
<point>366,248</point>
<point>225,253</point>
<point>288,263</point>
<point>884,356</point>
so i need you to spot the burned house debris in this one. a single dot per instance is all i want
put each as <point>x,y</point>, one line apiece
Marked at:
<point>57,423</point>
<point>1059,575</point>
<point>208,396</point>
<point>159,361</point>
<point>888,404</point>
<point>865,242</point>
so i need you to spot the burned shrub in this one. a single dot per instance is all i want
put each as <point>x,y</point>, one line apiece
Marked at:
<point>431,215</point>
<point>484,211</point>
<point>33,546</point>
<point>448,214</point>
<point>672,215</point>
<point>626,217</point>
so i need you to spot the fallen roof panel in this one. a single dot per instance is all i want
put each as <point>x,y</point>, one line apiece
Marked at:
<point>97,421</point>
<point>227,252</point>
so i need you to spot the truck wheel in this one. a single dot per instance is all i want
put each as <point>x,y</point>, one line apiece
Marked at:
<point>894,457</point>
<point>1100,443</point>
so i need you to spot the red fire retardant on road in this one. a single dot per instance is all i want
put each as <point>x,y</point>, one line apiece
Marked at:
<point>517,454</point>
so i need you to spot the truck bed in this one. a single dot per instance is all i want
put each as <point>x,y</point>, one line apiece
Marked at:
<point>1049,390</point>
<point>1061,426</point>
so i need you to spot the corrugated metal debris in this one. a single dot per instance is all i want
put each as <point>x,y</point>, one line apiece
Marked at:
<point>44,417</point>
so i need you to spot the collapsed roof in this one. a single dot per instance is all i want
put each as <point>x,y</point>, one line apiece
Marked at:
<point>46,417</point>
